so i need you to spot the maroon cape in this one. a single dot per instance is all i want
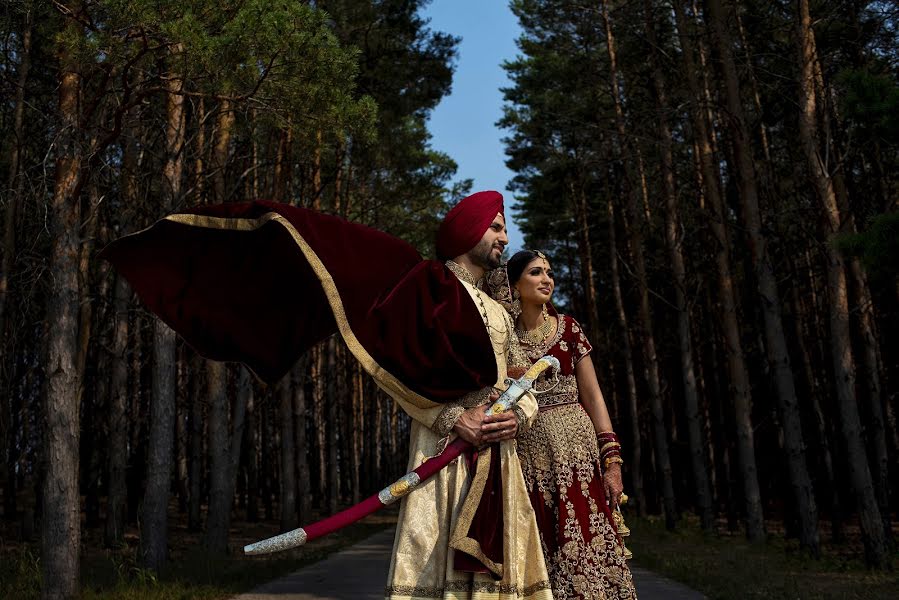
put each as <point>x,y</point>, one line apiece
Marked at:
<point>261,282</point>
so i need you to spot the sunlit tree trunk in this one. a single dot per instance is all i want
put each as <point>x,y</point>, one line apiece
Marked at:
<point>841,346</point>
<point>61,526</point>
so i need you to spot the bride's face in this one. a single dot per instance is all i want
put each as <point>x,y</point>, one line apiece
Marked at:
<point>536,283</point>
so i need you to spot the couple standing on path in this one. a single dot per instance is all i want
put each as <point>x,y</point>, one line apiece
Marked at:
<point>262,282</point>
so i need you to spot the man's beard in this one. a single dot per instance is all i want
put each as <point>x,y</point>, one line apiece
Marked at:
<point>482,255</point>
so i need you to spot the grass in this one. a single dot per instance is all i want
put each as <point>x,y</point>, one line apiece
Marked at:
<point>191,573</point>
<point>725,566</point>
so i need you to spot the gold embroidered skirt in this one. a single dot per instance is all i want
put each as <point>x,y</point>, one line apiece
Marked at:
<point>560,462</point>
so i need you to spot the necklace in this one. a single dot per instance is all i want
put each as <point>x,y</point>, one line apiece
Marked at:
<point>467,276</point>
<point>537,336</point>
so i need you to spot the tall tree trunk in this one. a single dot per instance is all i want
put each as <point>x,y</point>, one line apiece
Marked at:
<point>15,184</point>
<point>875,432</point>
<point>841,345</point>
<point>737,369</point>
<point>357,426</point>
<point>220,151</point>
<point>219,516</point>
<point>633,227</point>
<point>253,450</point>
<point>182,431</point>
<point>698,460</point>
<point>61,529</point>
<point>281,178</point>
<point>154,517</point>
<point>332,400</point>
<point>815,386</point>
<point>775,338</point>
<point>15,189</point>
<point>301,412</point>
<point>636,453</point>
<point>585,253</point>
<point>195,445</point>
<point>288,456</point>
<point>116,453</point>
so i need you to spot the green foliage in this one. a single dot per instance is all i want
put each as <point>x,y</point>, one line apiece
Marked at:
<point>870,102</point>
<point>878,246</point>
<point>20,574</point>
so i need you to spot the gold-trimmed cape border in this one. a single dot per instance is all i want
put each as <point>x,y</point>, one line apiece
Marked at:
<point>460,540</point>
<point>384,378</point>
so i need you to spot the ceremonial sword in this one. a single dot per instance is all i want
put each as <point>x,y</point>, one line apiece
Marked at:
<point>405,484</point>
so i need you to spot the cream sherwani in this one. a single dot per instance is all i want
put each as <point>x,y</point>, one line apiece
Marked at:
<point>422,562</point>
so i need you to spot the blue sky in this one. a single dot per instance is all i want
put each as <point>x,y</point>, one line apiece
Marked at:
<point>463,124</point>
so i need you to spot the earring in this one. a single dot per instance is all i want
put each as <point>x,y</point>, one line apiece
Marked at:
<point>515,308</point>
<point>545,312</point>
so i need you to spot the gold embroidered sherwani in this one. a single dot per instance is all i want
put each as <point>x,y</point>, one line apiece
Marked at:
<point>422,562</point>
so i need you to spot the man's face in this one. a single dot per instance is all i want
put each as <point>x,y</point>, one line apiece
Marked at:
<point>488,253</point>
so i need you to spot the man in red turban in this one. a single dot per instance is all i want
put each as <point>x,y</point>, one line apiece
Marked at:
<point>261,282</point>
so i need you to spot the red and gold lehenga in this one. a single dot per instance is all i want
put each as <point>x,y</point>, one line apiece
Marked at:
<point>560,460</point>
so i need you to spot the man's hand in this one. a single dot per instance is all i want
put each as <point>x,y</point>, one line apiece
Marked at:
<point>469,424</point>
<point>497,428</point>
<point>475,427</point>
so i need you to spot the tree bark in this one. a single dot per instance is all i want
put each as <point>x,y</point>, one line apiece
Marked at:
<point>698,460</point>
<point>288,456</point>
<point>301,412</point>
<point>633,226</point>
<point>253,450</point>
<point>841,346</point>
<point>219,516</point>
<point>15,185</point>
<point>769,298</point>
<point>117,454</point>
<point>61,528</point>
<point>195,470</point>
<point>875,432</point>
<point>332,400</point>
<point>154,519</point>
<point>636,453</point>
<point>737,369</point>
<point>15,188</point>
<point>585,253</point>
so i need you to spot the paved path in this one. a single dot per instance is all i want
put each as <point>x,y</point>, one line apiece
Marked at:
<point>359,573</point>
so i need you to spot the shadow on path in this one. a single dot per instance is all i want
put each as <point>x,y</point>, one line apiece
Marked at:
<point>360,572</point>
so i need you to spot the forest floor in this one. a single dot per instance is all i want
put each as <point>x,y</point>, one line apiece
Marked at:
<point>721,566</point>
<point>726,566</point>
<point>191,573</point>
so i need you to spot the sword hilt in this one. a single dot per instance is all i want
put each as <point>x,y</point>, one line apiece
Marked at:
<point>518,387</point>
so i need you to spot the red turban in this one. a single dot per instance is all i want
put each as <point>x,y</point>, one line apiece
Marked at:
<point>465,224</point>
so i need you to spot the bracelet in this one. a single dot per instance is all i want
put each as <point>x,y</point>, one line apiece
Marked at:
<point>612,460</point>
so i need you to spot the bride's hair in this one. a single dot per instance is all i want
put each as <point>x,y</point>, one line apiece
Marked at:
<point>516,265</point>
